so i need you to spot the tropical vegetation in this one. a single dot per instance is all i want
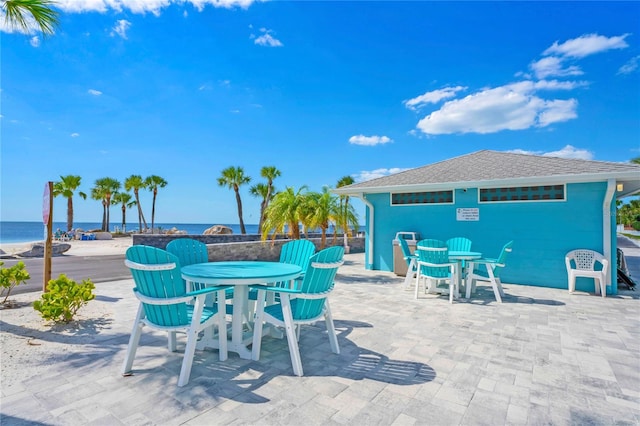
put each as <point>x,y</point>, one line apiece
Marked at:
<point>24,15</point>
<point>136,183</point>
<point>66,187</point>
<point>125,202</point>
<point>265,190</point>
<point>63,298</point>
<point>11,277</point>
<point>152,183</point>
<point>290,209</point>
<point>103,190</point>
<point>234,178</point>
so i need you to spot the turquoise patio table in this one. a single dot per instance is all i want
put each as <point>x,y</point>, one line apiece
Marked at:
<point>463,256</point>
<point>458,257</point>
<point>240,274</point>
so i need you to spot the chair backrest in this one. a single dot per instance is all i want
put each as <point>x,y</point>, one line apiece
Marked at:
<point>161,281</point>
<point>434,253</point>
<point>297,252</point>
<point>406,252</point>
<point>459,244</point>
<point>318,279</point>
<point>585,260</point>
<point>502,258</point>
<point>188,251</point>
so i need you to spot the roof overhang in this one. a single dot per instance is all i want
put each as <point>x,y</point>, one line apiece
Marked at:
<point>630,182</point>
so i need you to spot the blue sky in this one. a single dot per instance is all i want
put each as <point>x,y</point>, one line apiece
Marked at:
<point>321,90</point>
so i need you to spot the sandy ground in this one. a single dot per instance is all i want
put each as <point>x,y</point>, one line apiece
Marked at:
<point>79,247</point>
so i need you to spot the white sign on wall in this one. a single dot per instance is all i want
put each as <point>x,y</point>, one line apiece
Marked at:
<point>468,214</point>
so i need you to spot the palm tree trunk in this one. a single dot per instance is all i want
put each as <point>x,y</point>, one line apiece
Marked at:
<point>124,218</point>
<point>141,219</point>
<point>239,202</point>
<point>104,214</point>
<point>106,228</point>
<point>153,211</point>
<point>323,239</point>
<point>69,213</point>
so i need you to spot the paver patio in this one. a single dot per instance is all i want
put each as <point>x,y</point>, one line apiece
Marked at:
<point>542,357</point>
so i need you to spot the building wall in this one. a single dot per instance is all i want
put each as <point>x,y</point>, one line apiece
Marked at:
<point>542,231</point>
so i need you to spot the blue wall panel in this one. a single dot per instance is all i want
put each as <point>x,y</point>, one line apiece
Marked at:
<point>543,232</point>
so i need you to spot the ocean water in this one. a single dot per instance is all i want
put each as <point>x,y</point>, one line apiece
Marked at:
<point>21,232</point>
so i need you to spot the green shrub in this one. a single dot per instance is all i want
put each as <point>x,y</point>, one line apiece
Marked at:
<point>63,299</point>
<point>636,225</point>
<point>11,277</point>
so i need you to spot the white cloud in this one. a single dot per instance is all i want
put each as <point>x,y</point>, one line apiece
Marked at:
<point>586,45</point>
<point>35,41</point>
<point>557,111</point>
<point>552,66</point>
<point>519,106</point>
<point>30,23</point>
<point>94,92</point>
<point>266,39</point>
<point>377,173</point>
<point>143,6</point>
<point>75,135</point>
<point>510,107</point>
<point>630,66</point>
<point>433,97</point>
<point>120,28</point>
<point>566,152</point>
<point>369,140</point>
<point>555,57</point>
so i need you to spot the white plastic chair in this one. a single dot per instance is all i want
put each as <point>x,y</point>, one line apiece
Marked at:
<point>581,263</point>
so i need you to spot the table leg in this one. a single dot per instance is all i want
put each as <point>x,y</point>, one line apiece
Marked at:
<point>240,298</point>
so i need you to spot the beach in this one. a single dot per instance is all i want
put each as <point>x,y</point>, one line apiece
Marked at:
<point>114,246</point>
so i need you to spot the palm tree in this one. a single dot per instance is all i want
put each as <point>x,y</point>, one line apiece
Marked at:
<point>123,198</point>
<point>260,190</point>
<point>66,187</point>
<point>103,190</point>
<point>269,173</point>
<point>318,210</point>
<point>152,183</point>
<point>284,210</point>
<point>233,178</point>
<point>343,221</point>
<point>135,183</point>
<point>20,13</point>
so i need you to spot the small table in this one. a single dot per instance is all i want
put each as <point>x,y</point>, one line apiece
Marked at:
<point>459,257</point>
<point>240,274</point>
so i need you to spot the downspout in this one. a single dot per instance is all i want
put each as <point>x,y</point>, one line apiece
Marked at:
<point>606,227</point>
<point>370,242</point>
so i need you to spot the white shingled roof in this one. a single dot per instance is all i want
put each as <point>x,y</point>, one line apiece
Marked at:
<point>492,168</point>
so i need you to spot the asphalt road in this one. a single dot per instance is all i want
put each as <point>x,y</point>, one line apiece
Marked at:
<point>96,268</point>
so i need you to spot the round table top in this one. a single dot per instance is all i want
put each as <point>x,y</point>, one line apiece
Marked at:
<point>241,272</point>
<point>465,255</point>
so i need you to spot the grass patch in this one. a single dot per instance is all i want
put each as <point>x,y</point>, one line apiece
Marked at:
<point>632,236</point>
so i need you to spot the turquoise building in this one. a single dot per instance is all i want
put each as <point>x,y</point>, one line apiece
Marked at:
<point>546,205</point>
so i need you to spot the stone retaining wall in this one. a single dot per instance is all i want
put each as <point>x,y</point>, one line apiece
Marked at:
<point>240,247</point>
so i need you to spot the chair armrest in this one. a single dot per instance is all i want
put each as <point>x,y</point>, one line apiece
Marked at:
<point>605,265</point>
<point>485,260</point>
